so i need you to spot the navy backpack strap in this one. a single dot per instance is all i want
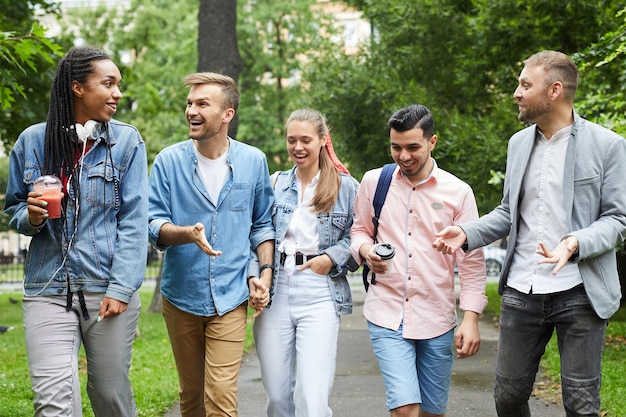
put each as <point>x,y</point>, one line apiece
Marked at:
<point>381,194</point>
<point>379,200</point>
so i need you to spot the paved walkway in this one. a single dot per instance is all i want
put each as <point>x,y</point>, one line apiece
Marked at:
<point>359,390</point>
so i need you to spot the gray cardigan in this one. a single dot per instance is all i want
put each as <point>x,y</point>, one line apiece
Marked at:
<point>595,202</point>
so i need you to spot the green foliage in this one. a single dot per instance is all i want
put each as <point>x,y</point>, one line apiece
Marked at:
<point>17,398</point>
<point>154,44</point>
<point>26,64</point>
<point>493,305</point>
<point>276,40</point>
<point>461,59</point>
<point>602,91</point>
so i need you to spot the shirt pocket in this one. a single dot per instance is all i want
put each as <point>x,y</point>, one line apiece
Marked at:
<point>339,220</point>
<point>580,182</point>
<point>588,192</point>
<point>30,175</point>
<point>103,186</point>
<point>338,223</point>
<point>239,197</point>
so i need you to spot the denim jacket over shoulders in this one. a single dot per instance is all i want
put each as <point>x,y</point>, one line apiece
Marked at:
<point>109,246</point>
<point>333,228</point>
<point>241,219</point>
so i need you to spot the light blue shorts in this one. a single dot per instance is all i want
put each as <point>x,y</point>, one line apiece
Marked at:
<point>414,371</point>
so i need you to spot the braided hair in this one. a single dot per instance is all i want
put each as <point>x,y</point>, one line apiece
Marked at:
<point>61,142</point>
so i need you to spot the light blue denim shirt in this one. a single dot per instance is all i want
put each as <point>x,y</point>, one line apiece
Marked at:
<point>333,228</point>
<point>193,281</point>
<point>109,249</point>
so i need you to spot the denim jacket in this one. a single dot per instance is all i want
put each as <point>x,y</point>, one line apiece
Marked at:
<point>333,228</point>
<point>193,281</point>
<point>109,248</point>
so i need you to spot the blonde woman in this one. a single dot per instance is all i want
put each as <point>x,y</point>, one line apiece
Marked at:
<point>296,335</point>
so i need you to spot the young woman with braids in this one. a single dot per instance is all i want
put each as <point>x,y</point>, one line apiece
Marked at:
<point>82,270</point>
<point>296,335</point>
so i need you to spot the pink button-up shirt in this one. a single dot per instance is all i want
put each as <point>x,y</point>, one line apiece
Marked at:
<point>419,288</point>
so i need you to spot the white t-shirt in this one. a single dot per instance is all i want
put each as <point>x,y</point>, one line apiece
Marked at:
<point>212,173</point>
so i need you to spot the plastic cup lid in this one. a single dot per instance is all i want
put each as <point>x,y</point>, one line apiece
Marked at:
<point>48,181</point>
<point>385,251</point>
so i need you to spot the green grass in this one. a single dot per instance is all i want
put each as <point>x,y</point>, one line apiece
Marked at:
<point>11,272</point>
<point>613,392</point>
<point>153,373</point>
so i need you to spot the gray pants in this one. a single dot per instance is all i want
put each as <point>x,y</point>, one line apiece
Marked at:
<point>53,340</point>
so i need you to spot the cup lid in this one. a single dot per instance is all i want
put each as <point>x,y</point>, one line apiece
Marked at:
<point>48,182</point>
<point>385,251</point>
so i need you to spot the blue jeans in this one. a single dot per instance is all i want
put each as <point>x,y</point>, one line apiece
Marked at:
<point>527,322</point>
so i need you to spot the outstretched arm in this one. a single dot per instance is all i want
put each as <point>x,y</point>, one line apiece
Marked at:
<point>449,239</point>
<point>171,234</point>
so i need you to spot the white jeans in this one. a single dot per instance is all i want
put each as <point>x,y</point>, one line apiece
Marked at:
<point>53,340</point>
<point>296,341</point>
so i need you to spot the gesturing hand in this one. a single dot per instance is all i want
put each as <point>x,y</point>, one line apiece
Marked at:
<point>449,239</point>
<point>559,255</point>
<point>199,238</point>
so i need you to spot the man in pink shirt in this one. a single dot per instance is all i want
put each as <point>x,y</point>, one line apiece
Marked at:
<point>411,309</point>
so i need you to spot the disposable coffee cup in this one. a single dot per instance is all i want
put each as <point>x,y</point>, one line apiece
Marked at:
<point>50,188</point>
<point>386,253</point>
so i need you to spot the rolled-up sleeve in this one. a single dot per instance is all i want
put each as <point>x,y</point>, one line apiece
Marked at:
<point>362,230</point>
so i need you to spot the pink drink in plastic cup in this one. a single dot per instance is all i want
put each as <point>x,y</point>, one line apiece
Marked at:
<point>50,188</point>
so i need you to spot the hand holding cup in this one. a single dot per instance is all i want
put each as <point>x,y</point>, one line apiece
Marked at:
<point>386,253</point>
<point>50,188</point>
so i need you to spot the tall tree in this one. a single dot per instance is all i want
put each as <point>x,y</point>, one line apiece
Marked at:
<point>217,42</point>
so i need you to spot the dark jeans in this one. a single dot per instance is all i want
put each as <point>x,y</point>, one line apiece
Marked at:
<point>527,322</point>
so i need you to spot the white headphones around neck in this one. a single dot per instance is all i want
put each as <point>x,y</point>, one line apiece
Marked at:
<point>90,130</point>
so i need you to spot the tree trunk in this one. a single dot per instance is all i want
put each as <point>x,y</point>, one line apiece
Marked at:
<point>156,306</point>
<point>217,42</point>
